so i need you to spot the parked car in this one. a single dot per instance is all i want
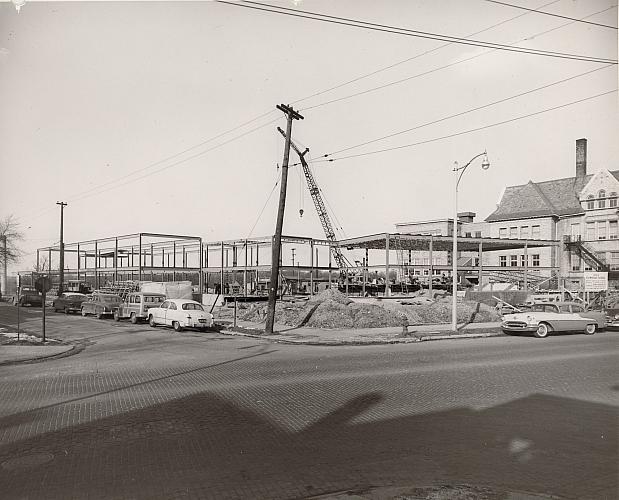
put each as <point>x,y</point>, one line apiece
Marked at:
<point>612,315</point>
<point>542,319</point>
<point>69,302</point>
<point>136,306</point>
<point>28,295</point>
<point>101,304</point>
<point>179,314</point>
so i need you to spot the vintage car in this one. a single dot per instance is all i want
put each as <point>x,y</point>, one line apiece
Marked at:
<point>542,319</point>
<point>136,306</point>
<point>28,295</point>
<point>612,315</point>
<point>69,302</point>
<point>101,304</point>
<point>179,314</point>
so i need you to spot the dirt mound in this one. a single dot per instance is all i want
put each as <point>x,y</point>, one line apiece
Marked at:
<point>332,309</point>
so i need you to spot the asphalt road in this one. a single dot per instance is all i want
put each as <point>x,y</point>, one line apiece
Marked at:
<point>149,413</point>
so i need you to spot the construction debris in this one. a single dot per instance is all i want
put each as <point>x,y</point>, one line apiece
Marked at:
<point>333,309</point>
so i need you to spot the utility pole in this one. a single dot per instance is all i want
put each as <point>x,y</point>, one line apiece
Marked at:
<point>61,274</point>
<point>291,114</point>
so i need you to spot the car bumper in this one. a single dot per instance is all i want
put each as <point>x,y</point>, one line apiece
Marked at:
<point>199,324</point>
<point>517,326</point>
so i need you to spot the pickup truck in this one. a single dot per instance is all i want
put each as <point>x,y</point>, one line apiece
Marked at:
<point>28,295</point>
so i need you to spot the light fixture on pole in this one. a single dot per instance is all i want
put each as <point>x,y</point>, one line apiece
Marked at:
<point>459,171</point>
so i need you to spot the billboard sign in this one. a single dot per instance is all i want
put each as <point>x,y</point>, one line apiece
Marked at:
<point>596,281</point>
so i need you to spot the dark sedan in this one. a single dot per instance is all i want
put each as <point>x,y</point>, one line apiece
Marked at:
<point>69,302</point>
<point>101,304</point>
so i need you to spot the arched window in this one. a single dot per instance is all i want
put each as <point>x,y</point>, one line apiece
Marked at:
<point>612,199</point>
<point>590,202</point>
<point>601,198</point>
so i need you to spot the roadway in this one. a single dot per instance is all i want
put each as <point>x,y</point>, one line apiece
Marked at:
<point>149,413</point>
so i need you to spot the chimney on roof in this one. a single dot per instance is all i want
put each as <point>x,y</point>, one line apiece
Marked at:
<point>581,158</point>
<point>466,216</point>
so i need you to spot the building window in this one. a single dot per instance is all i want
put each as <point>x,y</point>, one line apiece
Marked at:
<point>612,200</point>
<point>590,231</point>
<point>477,234</point>
<point>524,232</point>
<point>536,232</point>
<point>522,262</point>
<point>503,232</point>
<point>513,232</point>
<point>601,198</point>
<point>602,230</point>
<point>503,260</point>
<point>575,258</point>
<point>590,202</point>
<point>575,231</point>
<point>513,261</point>
<point>614,261</point>
<point>613,229</point>
<point>467,235</point>
<point>535,259</point>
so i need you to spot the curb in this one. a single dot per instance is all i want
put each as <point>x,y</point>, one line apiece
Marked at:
<point>402,340</point>
<point>75,349</point>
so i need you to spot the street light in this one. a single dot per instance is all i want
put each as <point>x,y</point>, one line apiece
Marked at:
<point>459,171</point>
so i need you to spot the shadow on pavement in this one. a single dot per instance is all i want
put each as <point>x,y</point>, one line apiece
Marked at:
<point>203,446</point>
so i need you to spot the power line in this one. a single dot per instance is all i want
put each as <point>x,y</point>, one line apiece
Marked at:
<point>380,70</point>
<point>424,73</point>
<point>414,33</point>
<point>89,193</point>
<point>493,103</point>
<point>551,14</point>
<point>435,139</point>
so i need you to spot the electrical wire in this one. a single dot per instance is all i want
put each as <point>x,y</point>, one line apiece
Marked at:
<point>471,110</point>
<point>551,14</point>
<point>413,33</point>
<point>251,231</point>
<point>403,61</point>
<point>434,70</point>
<point>477,129</point>
<point>114,185</point>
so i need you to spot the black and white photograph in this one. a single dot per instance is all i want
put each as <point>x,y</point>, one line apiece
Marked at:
<point>309,250</point>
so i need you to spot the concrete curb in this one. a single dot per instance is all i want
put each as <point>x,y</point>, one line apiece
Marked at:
<point>72,350</point>
<point>356,341</point>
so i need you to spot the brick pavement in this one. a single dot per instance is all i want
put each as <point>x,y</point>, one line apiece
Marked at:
<point>154,414</point>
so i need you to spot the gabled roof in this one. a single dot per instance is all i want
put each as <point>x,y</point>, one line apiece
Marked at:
<point>542,199</point>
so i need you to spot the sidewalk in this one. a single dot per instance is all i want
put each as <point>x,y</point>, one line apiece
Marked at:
<point>363,336</point>
<point>17,353</point>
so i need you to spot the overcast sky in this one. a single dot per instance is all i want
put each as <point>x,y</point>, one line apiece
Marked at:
<point>100,103</point>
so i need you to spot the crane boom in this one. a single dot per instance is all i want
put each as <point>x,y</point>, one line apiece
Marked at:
<point>325,220</point>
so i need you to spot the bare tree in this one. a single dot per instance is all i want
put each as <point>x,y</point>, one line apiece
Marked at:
<point>10,232</point>
<point>10,237</point>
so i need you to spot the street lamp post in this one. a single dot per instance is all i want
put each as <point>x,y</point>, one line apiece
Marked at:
<point>459,171</point>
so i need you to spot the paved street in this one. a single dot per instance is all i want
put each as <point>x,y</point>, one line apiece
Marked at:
<point>149,413</point>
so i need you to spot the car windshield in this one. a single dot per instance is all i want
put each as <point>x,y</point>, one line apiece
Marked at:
<point>190,306</point>
<point>75,296</point>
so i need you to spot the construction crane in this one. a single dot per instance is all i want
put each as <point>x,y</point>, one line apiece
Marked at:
<point>342,263</point>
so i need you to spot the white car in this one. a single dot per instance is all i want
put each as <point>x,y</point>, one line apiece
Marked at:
<point>179,314</point>
<point>549,317</point>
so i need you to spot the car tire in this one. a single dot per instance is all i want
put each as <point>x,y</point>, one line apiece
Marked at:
<point>116,316</point>
<point>590,329</point>
<point>83,312</point>
<point>543,330</point>
<point>177,326</point>
<point>133,318</point>
<point>66,310</point>
<point>99,315</point>
<point>151,321</point>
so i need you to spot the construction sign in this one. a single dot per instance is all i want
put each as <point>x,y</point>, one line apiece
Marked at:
<point>596,281</point>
